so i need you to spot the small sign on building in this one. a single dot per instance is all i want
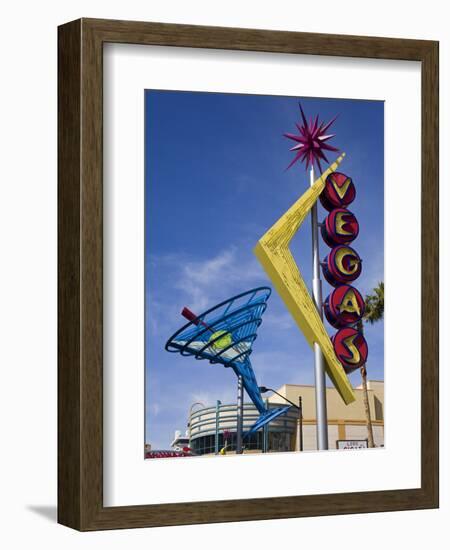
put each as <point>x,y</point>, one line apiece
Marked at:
<point>352,444</point>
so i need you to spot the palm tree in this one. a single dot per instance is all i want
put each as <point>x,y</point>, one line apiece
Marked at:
<point>374,311</point>
<point>375,305</point>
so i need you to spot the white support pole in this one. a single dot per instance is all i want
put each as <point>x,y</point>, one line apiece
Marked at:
<point>240,415</point>
<point>319,361</point>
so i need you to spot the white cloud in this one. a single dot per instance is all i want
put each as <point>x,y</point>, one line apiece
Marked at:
<point>208,281</point>
<point>196,283</point>
<point>155,409</point>
<point>209,398</point>
<point>281,321</point>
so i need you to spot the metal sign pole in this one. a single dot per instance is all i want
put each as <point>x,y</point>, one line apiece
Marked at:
<point>240,415</point>
<point>319,361</point>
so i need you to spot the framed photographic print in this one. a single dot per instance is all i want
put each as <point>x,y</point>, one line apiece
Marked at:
<point>233,206</point>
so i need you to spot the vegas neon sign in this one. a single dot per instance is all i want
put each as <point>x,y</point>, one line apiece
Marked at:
<point>344,307</point>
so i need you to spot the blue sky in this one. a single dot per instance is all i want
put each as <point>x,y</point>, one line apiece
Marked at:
<point>215,182</point>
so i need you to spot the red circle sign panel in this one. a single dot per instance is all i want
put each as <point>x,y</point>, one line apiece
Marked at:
<point>338,192</point>
<point>344,306</point>
<point>339,227</point>
<point>342,265</point>
<point>351,348</point>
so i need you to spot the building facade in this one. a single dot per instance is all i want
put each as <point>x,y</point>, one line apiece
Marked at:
<point>210,429</point>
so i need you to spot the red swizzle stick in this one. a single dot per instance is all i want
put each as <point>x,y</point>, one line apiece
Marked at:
<point>190,316</point>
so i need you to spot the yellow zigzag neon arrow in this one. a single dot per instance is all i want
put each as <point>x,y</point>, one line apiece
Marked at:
<point>273,252</point>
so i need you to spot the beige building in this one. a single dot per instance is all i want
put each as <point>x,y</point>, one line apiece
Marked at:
<point>213,427</point>
<point>345,422</point>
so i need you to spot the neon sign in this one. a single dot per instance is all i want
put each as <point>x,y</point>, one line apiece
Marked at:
<point>339,227</point>
<point>344,307</point>
<point>339,191</point>
<point>272,250</point>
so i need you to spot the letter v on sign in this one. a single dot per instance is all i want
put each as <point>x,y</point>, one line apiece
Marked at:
<point>272,250</point>
<point>343,188</point>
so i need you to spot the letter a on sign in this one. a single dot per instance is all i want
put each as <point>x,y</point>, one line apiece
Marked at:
<point>273,252</point>
<point>350,303</point>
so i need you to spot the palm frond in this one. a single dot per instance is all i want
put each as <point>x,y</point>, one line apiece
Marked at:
<point>375,305</point>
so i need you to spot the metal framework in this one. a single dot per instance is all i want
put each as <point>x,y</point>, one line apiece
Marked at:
<point>225,334</point>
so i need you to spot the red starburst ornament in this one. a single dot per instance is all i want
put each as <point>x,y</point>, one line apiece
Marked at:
<point>311,141</point>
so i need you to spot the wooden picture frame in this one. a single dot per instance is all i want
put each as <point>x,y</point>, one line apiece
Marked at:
<point>80,272</point>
